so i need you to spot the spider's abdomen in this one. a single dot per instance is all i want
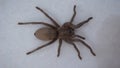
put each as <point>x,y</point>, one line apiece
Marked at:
<point>45,33</point>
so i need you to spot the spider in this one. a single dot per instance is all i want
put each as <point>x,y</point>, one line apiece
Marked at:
<point>66,33</point>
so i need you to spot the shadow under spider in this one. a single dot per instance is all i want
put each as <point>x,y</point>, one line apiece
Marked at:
<point>65,32</point>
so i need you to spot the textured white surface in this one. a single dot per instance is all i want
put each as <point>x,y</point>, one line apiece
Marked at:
<point>102,33</point>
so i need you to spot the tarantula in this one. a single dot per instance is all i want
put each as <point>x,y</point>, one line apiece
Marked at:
<point>65,32</point>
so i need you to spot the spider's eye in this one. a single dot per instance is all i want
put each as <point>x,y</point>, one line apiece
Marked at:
<point>70,31</point>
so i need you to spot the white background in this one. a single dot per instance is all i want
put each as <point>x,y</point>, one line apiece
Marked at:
<point>102,34</point>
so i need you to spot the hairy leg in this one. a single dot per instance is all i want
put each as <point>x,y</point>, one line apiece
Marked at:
<point>26,23</point>
<point>85,45</point>
<point>74,14</point>
<point>54,22</point>
<point>82,23</point>
<point>70,42</point>
<point>41,46</point>
<point>59,47</point>
<point>79,36</point>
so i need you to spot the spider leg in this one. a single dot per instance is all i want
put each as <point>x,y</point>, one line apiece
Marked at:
<point>54,22</point>
<point>74,14</point>
<point>26,23</point>
<point>41,46</point>
<point>86,46</point>
<point>79,36</point>
<point>59,47</point>
<point>70,42</point>
<point>82,23</point>
<point>77,50</point>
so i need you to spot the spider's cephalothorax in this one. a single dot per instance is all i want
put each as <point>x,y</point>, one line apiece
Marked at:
<point>66,32</point>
